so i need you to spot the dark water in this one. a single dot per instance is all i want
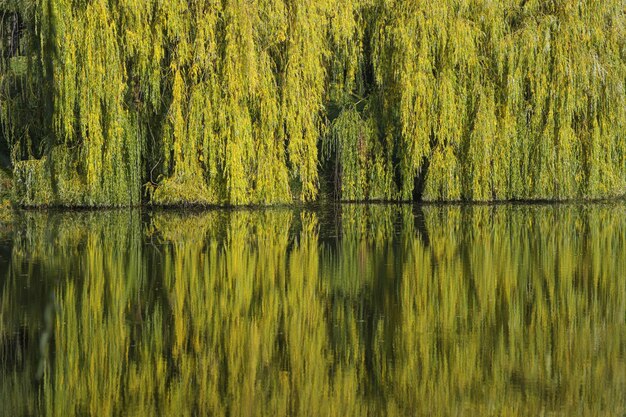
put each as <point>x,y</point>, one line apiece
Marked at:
<point>349,311</point>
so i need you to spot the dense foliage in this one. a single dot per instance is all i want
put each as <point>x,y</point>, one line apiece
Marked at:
<point>111,102</point>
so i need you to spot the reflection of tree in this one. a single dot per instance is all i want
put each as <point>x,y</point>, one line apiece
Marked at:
<point>440,310</point>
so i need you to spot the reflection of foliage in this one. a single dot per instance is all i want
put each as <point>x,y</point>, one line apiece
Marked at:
<point>229,102</point>
<point>434,311</point>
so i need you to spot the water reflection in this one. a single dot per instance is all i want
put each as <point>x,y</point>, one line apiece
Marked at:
<point>356,310</point>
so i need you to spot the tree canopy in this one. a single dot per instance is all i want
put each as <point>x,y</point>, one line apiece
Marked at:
<point>115,102</point>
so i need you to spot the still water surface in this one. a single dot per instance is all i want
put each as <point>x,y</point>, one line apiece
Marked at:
<point>340,311</point>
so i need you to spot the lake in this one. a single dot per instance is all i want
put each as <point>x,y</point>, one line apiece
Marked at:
<point>342,310</point>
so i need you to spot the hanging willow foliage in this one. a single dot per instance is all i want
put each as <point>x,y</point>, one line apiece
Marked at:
<point>115,102</point>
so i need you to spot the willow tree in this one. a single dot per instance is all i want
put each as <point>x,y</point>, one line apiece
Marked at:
<point>507,99</point>
<point>261,101</point>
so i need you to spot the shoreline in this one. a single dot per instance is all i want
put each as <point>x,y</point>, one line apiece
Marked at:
<point>148,207</point>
